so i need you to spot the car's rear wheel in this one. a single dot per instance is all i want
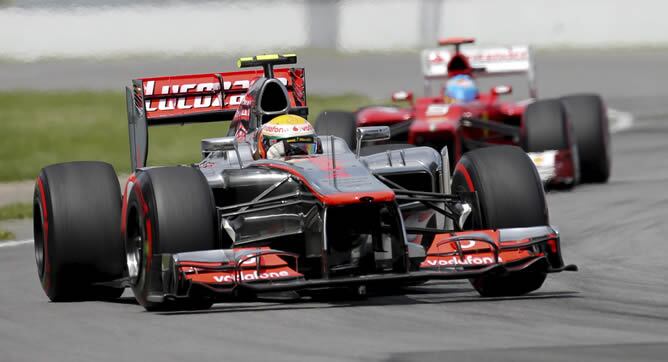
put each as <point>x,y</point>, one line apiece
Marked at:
<point>510,195</point>
<point>545,126</point>
<point>338,123</point>
<point>587,114</point>
<point>76,223</point>
<point>169,210</point>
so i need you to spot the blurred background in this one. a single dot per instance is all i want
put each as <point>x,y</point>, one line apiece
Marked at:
<point>63,64</point>
<point>89,28</point>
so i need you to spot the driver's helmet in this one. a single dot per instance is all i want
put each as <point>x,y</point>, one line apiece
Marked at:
<point>284,136</point>
<point>461,89</point>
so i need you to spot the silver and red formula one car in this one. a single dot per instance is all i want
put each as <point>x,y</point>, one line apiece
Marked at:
<point>235,224</point>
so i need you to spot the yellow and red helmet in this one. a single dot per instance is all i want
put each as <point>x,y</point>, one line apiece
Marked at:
<point>286,135</point>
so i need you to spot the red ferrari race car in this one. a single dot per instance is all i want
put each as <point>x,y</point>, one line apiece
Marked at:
<point>273,207</point>
<point>567,138</point>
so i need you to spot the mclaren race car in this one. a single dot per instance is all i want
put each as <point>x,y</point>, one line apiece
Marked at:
<point>567,138</point>
<point>235,224</point>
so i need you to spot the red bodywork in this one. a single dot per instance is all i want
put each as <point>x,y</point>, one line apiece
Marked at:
<point>436,121</point>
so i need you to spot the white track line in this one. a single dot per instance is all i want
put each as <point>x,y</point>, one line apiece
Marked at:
<point>619,121</point>
<point>6,244</point>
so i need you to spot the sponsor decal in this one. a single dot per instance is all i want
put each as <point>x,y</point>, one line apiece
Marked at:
<point>195,102</point>
<point>271,129</point>
<point>500,55</point>
<point>435,110</point>
<point>168,104</point>
<point>230,278</point>
<point>451,245</point>
<point>467,244</point>
<point>455,260</point>
<point>436,58</point>
<point>481,56</point>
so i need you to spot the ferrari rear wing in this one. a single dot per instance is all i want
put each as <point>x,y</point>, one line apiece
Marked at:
<point>480,61</point>
<point>197,98</point>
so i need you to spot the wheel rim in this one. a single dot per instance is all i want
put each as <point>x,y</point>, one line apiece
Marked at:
<point>39,238</point>
<point>134,245</point>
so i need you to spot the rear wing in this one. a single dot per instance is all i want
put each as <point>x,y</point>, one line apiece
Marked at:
<point>488,61</point>
<point>198,98</point>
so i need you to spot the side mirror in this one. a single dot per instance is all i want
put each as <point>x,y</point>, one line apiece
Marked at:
<point>367,134</point>
<point>402,96</point>
<point>218,144</point>
<point>502,89</point>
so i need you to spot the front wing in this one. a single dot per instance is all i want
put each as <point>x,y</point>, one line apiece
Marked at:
<point>227,273</point>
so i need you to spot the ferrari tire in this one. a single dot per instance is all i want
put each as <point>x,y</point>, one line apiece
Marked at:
<point>169,210</point>
<point>510,195</point>
<point>545,126</point>
<point>338,123</point>
<point>590,124</point>
<point>76,223</point>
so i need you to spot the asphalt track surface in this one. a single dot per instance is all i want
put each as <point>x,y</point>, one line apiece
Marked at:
<point>614,309</point>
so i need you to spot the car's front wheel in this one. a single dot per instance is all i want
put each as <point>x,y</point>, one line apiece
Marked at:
<point>510,196</point>
<point>169,210</point>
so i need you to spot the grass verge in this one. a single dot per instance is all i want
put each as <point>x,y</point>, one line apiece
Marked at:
<point>6,235</point>
<point>21,210</point>
<point>41,128</point>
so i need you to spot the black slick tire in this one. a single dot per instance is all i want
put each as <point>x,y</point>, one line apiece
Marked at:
<point>510,195</point>
<point>76,224</point>
<point>588,117</point>
<point>169,210</point>
<point>545,126</point>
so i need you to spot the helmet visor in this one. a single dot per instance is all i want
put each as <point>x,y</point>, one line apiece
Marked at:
<point>300,146</point>
<point>294,146</point>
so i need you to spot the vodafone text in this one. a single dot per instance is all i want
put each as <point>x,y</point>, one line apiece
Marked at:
<point>469,260</point>
<point>229,278</point>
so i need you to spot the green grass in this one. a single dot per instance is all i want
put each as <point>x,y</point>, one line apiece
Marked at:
<point>20,210</point>
<point>13,211</point>
<point>41,128</point>
<point>6,235</point>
